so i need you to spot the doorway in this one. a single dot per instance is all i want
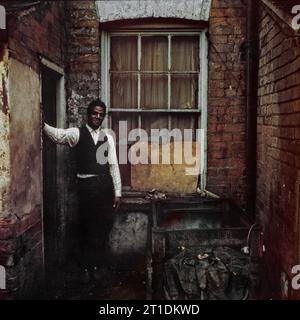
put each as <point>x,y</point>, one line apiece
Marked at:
<point>53,105</point>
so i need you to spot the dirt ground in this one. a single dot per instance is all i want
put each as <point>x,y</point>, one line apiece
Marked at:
<point>117,284</point>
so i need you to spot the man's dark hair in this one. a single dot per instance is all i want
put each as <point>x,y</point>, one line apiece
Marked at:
<point>96,103</point>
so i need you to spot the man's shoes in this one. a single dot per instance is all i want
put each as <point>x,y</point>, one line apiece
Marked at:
<point>85,277</point>
<point>98,273</point>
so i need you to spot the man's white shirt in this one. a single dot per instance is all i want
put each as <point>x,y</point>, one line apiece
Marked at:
<point>71,136</point>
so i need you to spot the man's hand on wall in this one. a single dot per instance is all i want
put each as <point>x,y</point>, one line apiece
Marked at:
<point>117,202</point>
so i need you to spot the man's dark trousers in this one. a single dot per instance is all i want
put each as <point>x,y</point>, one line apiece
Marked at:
<point>96,196</point>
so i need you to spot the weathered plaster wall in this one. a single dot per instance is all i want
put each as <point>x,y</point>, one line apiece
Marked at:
<point>22,239</point>
<point>20,219</point>
<point>25,139</point>
<point>4,139</point>
<point>182,9</point>
<point>33,32</point>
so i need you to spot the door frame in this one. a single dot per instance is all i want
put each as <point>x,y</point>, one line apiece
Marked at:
<point>60,155</point>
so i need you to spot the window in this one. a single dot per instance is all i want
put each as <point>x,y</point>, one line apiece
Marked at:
<point>154,80</point>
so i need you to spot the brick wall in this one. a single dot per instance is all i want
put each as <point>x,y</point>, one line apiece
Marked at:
<point>31,33</point>
<point>227,100</point>
<point>37,31</point>
<point>278,148</point>
<point>83,52</point>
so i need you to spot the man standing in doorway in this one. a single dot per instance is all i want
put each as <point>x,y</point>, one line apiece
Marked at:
<point>99,187</point>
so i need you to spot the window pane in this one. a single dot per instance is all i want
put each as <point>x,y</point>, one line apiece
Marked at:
<point>154,53</point>
<point>121,140</point>
<point>123,53</point>
<point>131,123</point>
<point>184,91</point>
<point>185,121</point>
<point>123,91</point>
<point>185,53</point>
<point>154,121</point>
<point>154,91</point>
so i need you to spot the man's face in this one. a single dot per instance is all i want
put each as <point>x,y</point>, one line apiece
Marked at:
<point>96,117</point>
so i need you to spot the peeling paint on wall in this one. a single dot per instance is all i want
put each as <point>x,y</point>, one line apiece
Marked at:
<point>182,9</point>
<point>4,95</point>
<point>4,139</point>
<point>25,141</point>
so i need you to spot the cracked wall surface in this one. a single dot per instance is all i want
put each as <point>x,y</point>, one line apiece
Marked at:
<point>33,33</point>
<point>4,139</point>
<point>181,9</point>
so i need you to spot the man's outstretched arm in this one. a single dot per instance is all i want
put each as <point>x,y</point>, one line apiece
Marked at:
<point>62,136</point>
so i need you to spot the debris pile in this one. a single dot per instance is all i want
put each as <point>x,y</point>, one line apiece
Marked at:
<point>155,194</point>
<point>198,273</point>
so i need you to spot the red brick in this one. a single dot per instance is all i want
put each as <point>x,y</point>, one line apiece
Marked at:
<point>278,147</point>
<point>228,3</point>
<point>220,136</point>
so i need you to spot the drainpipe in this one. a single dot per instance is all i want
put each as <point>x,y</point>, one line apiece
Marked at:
<point>251,112</point>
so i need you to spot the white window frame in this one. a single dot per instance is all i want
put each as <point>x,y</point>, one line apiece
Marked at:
<point>202,83</point>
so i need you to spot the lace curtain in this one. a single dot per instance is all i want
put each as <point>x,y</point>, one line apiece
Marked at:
<point>183,65</point>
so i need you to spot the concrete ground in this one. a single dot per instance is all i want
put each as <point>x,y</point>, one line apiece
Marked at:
<point>116,285</point>
<point>119,283</point>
